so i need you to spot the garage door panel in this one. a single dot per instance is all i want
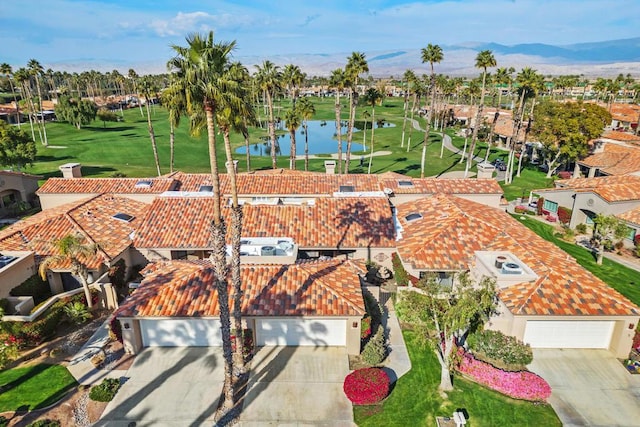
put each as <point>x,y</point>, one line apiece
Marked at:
<point>181,333</point>
<point>569,333</point>
<point>301,332</point>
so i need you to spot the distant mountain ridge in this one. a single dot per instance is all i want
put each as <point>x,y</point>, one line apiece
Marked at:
<point>606,59</point>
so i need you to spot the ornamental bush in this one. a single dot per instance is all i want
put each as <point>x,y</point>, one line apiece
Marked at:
<point>519,385</point>
<point>564,215</point>
<point>376,349</point>
<point>520,209</point>
<point>540,206</point>
<point>33,333</point>
<point>366,386</point>
<point>581,228</point>
<point>105,391</point>
<point>401,275</point>
<point>34,287</point>
<point>495,345</point>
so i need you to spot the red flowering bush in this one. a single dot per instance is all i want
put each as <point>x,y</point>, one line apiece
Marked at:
<point>636,240</point>
<point>115,329</point>
<point>366,386</point>
<point>564,215</point>
<point>520,385</point>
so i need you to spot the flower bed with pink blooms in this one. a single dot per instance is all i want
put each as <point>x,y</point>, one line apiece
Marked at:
<point>366,386</point>
<point>519,385</point>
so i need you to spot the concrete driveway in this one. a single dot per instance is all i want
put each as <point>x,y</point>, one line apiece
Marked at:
<point>297,386</point>
<point>169,387</point>
<point>590,387</point>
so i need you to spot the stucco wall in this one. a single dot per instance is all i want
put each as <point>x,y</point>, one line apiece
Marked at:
<point>594,203</point>
<point>17,272</point>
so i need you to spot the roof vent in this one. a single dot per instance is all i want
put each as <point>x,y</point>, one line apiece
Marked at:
<point>144,183</point>
<point>500,260</point>
<point>511,268</point>
<point>413,216</point>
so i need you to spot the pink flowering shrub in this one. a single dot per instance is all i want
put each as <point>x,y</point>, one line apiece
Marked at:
<point>519,385</point>
<point>366,386</point>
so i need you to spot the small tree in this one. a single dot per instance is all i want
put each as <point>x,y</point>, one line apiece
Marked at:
<point>106,115</point>
<point>17,148</point>
<point>76,251</point>
<point>77,112</point>
<point>607,228</point>
<point>447,315</point>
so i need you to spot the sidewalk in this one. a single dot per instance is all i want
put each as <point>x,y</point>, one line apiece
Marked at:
<point>398,361</point>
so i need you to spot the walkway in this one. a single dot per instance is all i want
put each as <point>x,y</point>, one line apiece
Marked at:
<point>398,362</point>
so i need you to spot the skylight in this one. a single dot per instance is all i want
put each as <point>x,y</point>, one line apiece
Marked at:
<point>123,217</point>
<point>405,184</point>
<point>144,183</point>
<point>347,189</point>
<point>413,216</point>
<point>206,188</point>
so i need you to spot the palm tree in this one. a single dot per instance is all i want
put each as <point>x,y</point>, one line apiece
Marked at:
<point>202,67</point>
<point>409,77</point>
<point>269,80</point>
<point>293,119</point>
<point>307,110</point>
<point>23,79</point>
<point>240,74</point>
<point>418,91</point>
<point>433,55</point>
<point>134,80</point>
<point>148,89</point>
<point>6,70</point>
<point>35,69</point>
<point>356,65</point>
<point>502,77</point>
<point>484,60</point>
<point>174,101</point>
<point>292,77</point>
<point>76,251</point>
<point>338,81</point>
<point>372,98</point>
<point>366,116</point>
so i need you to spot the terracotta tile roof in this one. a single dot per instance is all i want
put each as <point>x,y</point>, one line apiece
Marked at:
<point>625,112</point>
<point>632,216</point>
<point>610,188</point>
<point>91,217</point>
<point>183,222</point>
<point>621,136</point>
<point>616,159</point>
<point>21,174</point>
<point>105,185</point>
<point>282,184</point>
<point>452,229</point>
<point>186,289</point>
<point>408,185</point>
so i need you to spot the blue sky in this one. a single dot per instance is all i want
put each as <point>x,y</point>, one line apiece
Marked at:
<point>123,32</point>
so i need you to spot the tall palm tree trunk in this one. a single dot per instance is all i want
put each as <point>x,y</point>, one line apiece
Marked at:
<point>218,256</point>
<point>352,118</point>
<point>272,132</point>
<point>339,130</point>
<point>172,138</point>
<point>404,119</point>
<point>45,142</point>
<point>413,109</point>
<point>373,127</point>
<point>306,146</point>
<point>153,141</point>
<point>245,135</point>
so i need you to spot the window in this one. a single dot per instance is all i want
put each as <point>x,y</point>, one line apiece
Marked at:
<point>123,217</point>
<point>405,184</point>
<point>206,188</point>
<point>632,234</point>
<point>550,206</point>
<point>413,216</point>
<point>144,183</point>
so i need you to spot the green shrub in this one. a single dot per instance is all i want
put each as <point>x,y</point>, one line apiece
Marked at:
<point>637,251</point>
<point>4,306</point>
<point>581,228</point>
<point>34,287</point>
<point>77,312</point>
<point>399,272</point>
<point>4,422</point>
<point>45,423</point>
<point>568,233</point>
<point>494,346</point>
<point>105,391</point>
<point>376,349</point>
<point>33,333</point>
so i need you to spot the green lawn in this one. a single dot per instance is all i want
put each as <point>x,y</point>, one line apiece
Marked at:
<point>125,147</point>
<point>415,400</point>
<point>529,179</point>
<point>33,387</point>
<point>619,277</point>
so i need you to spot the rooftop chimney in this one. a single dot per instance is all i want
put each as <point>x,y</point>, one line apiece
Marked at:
<point>330,167</point>
<point>71,170</point>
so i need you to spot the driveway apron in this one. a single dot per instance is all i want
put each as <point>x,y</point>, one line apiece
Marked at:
<point>169,387</point>
<point>297,386</point>
<point>589,387</point>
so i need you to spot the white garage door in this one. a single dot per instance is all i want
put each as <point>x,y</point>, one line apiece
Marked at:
<point>181,332</point>
<point>301,332</point>
<point>568,333</point>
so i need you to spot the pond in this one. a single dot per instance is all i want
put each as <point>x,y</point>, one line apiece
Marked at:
<point>322,139</point>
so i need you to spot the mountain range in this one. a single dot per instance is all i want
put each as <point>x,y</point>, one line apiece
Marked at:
<point>605,59</point>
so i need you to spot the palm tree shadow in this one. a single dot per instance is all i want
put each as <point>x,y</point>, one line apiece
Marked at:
<point>372,227</point>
